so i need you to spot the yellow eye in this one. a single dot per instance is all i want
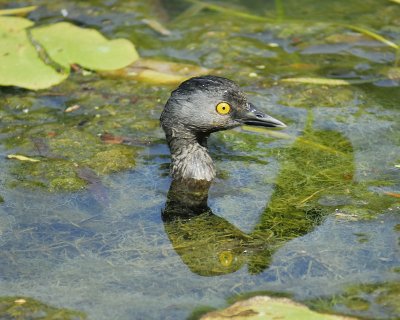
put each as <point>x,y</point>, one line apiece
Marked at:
<point>223,108</point>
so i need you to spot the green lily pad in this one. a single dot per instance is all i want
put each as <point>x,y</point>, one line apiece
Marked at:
<point>20,64</point>
<point>264,307</point>
<point>68,44</point>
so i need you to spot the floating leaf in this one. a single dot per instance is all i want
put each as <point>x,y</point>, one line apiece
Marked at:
<point>330,82</point>
<point>17,11</point>
<point>264,307</point>
<point>393,194</point>
<point>159,72</point>
<point>72,108</point>
<point>111,139</point>
<point>230,11</point>
<point>345,38</point>
<point>21,158</point>
<point>67,44</point>
<point>373,35</point>
<point>191,11</point>
<point>20,64</point>
<point>20,301</point>
<point>157,27</point>
<point>153,76</point>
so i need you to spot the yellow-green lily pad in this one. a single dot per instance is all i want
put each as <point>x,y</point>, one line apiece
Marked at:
<point>264,307</point>
<point>68,44</point>
<point>20,64</point>
<point>158,71</point>
<point>17,11</point>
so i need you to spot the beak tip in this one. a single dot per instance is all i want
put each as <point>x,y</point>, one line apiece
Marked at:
<point>281,125</point>
<point>273,123</point>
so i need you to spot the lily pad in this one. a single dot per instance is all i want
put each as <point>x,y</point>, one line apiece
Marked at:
<point>20,64</point>
<point>264,307</point>
<point>68,44</point>
<point>17,11</point>
<point>158,71</point>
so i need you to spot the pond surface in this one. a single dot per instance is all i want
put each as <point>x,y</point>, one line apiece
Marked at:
<point>312,211</point>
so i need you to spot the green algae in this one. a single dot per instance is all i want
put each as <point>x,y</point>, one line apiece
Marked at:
<point>387,296</point>
<point>85,150</point>
<point>65,143</point>
<point>199,311</point>
<point>66,153</point>
<point>22,308</point>
<point>309,174</point>
<point>242,141</point>
<point>314,96</point>
<point>359,299</point>
<point>55,175</point>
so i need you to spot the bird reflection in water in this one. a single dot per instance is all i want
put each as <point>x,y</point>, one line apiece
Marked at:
<point>208,244</point>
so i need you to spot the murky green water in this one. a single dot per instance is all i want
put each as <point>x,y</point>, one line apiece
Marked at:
<point>312,211</point>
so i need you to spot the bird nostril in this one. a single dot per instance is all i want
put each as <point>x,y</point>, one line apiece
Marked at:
<point>259,115</point>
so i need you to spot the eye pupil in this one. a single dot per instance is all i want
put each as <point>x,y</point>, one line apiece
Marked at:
<point>223,108</point>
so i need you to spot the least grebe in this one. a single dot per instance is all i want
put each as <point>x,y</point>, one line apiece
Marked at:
<point>198,107</point>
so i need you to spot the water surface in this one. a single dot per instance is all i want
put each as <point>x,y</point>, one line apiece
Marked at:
<point>312,212</point>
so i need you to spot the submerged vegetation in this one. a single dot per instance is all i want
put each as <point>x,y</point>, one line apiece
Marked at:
<point>25,308</point>
<point>362,298</point>
<point>67,155</point>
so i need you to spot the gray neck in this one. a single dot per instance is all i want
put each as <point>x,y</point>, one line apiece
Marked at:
<point>189,156</point>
